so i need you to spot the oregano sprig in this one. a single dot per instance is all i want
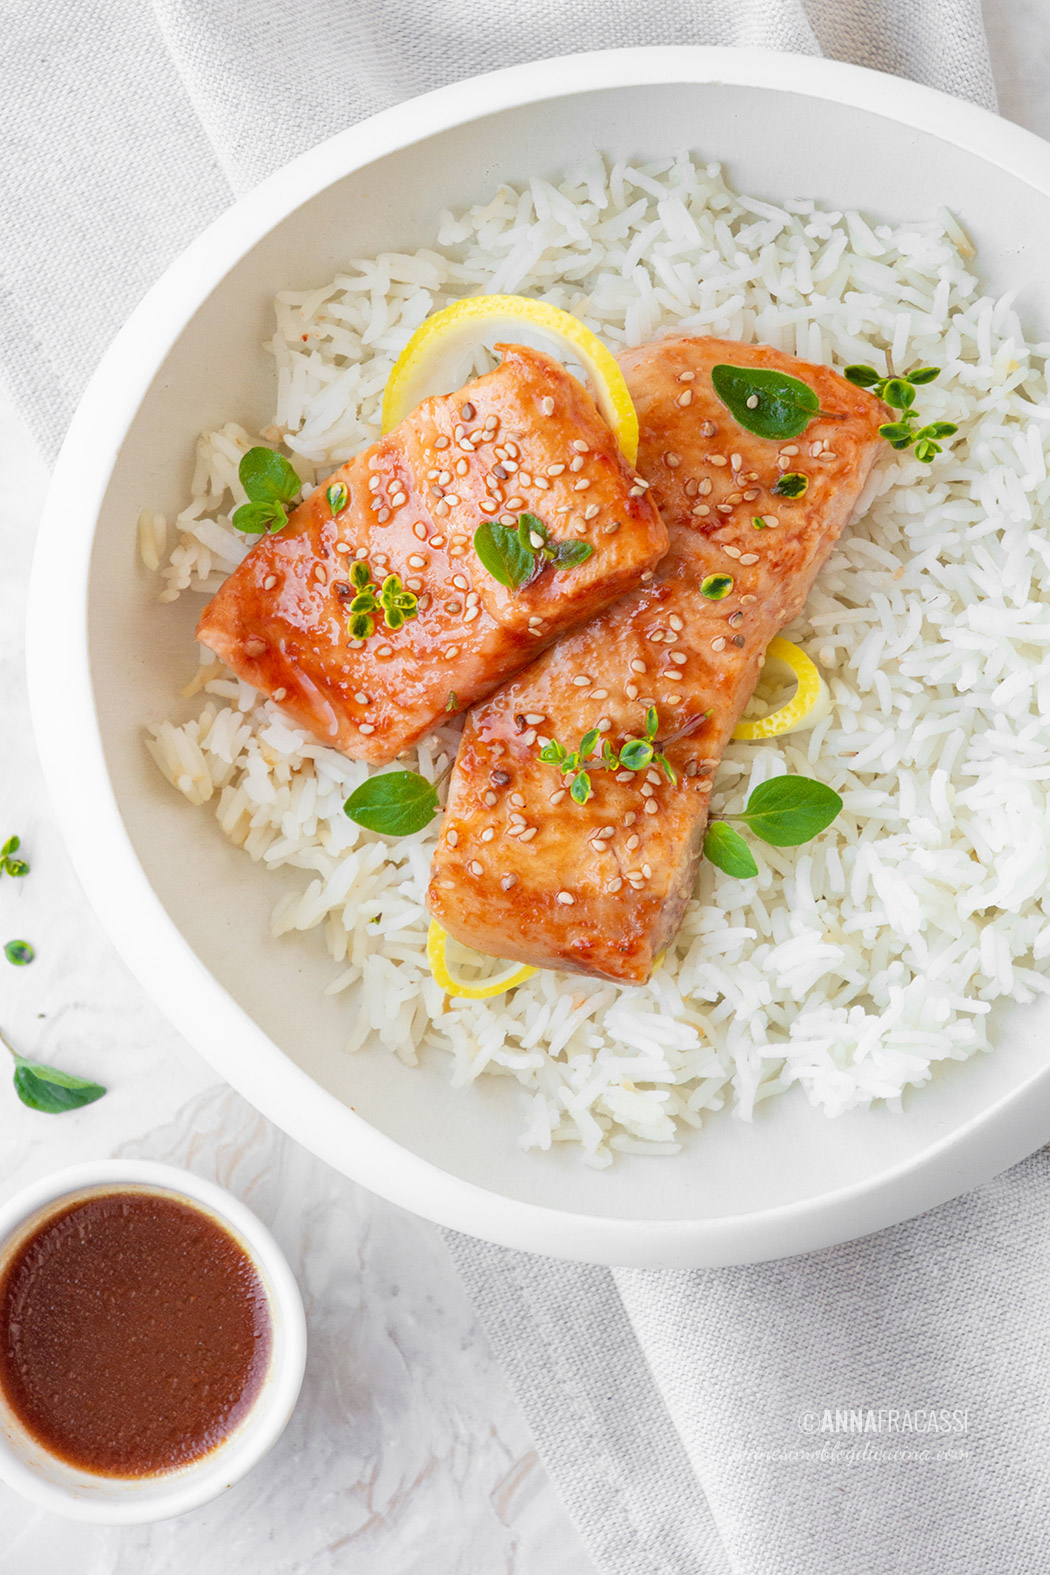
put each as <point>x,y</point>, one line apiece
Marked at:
<point>785,812</point>
<point>396,604</point>
<point>9,864</point>
<point>516,554</point>
<point>635,754</point>
<point>271,484</point>
<point>899,393</point>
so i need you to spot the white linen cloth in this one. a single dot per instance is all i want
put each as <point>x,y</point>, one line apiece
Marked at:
<point>669,1407</point>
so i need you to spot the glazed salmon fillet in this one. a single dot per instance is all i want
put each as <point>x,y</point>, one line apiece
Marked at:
<point>521,871</point>
<point>525,437</point>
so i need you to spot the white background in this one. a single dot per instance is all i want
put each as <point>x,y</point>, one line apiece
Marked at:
<point>406,1452</point>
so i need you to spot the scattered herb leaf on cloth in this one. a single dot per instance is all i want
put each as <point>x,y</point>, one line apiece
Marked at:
<point>47,1089</point>
<point>727,849</point>
<point>19,953</point>
<point>395,804</point>
<point>9,865</point>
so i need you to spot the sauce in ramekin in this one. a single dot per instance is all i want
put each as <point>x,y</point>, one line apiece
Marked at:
<point>135,1333</point>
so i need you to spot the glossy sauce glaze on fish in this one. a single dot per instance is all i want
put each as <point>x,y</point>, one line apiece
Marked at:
<point>521,871</point>
<point>525,437</point>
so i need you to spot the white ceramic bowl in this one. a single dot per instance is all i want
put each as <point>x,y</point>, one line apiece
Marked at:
<point>188,912</point>
<point>81,1495</point>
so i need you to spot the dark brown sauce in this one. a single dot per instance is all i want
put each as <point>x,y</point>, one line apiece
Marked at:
<point>135,1333</point>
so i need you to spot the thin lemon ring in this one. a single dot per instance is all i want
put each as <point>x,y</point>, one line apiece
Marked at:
<point>437,939</point>
<point>810,702</point>
<point>456,327</point>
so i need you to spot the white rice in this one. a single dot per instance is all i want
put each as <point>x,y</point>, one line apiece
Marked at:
<point>851,966</point>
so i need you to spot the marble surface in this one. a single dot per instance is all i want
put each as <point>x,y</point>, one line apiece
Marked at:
<point>406,1450</point>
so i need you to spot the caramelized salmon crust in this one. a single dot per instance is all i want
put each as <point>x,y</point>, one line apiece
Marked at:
<point>525,437</point>
<point>521,871</point>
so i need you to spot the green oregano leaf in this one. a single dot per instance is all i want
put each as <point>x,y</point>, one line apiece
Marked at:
<point>50,1090</point>
<point>769,404</point>
<point>267,477</point>
<point>792,484</point>
<point>716,586</point>
<point>636,754</point>
<point>728,851</point>
<point>501,552</point>
<point>395,804</point>
<point>581,789</point>
<point>787,811</point>
<point>338,496</point>
<point>255,519</point>
<point>570,554</point>
<point>19,953</point>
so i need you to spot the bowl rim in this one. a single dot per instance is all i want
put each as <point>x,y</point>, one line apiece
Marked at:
<point>62,702</point>
<point>210,1475</point>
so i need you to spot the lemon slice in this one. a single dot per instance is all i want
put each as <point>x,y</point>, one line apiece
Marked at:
<point>807,705</point>
<point>430,360</point>
<point>476,990</point>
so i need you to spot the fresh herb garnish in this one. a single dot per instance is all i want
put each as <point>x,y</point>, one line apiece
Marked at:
<point>270,483</point>
<point>769,404</point>
<point>338,495</point>
<point>19,953</point>
<point>395,804</point>
<point>716,586</point>
<point>47,1089</point>
<point>792,484</point>
<point>785,812</point>
<point>900,393</point>
<point>515,554</point>
<point>636,754</point>
<point>397,604</point>
<point>452,704</point>
<point>9,865</point>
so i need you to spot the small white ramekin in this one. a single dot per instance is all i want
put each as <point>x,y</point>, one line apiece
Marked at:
<point>37,1475</point>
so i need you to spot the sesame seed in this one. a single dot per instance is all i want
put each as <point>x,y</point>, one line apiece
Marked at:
<point>735,620</point>
<point>616,884</point>
<point>724,508</point>
<point>279,694</point>
<point>680,658</point>
<point>384,650</point>
<point>441,442</point>
<point>735,497</point>
<point>673,678</point>
<point>748,601</point>
<point>637,665</point>
<point>474,867</point>
<point>748,558</point>
<point>651,807</point>
<point>738,641</point>
<point>362,698</point>
<point>647,790</point>
<point>686,398</point>
<point>374,483</point>
<point>269,582</point>
<point>488,834</point>
<point>543,485</point>
<point>751,494</point>
<point>717,459</point>
<point>657,637</point>
<point>397,500</point>
<point>343,546</point>
<point>705,784</point>
<point>490,798</point>
<point>462,466</point>
<point>582,485</point>
<point>730,551</point>
<point>417,561</point>
<point>719,644</point>
<point>707,429</point>
<point>672,461</point>
<point>556,797</point>
<point>705,486</point>
<point>452,838</point>
<point>752,403</point>
<point>534,718</point>
<point>590,511</point>
<point>547,406</point>
<point>566,898</point>
<point>507,881</point>
<point>515,503</point>
<point>510,466</point>
<point>647,871</point>
<point>555,470</point>
<point>686,377</point>
<point>451,653</point>
<point>630,818</point>
<point>383,516</point>
<point>576,464</point>
<point>701,510</point>
<point>470,614</point>
<point>441,508</point>
<point>611,528</point>
<point>528,834</point>
<point>365,727</point>
<point>517,800</point>
<point>736,461</point>
<point>633,841</point>
<point>487,506</point>
<point>631,691</point>
<point>467,411</point>
<point>604,725</point>
<point>582,680</point>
